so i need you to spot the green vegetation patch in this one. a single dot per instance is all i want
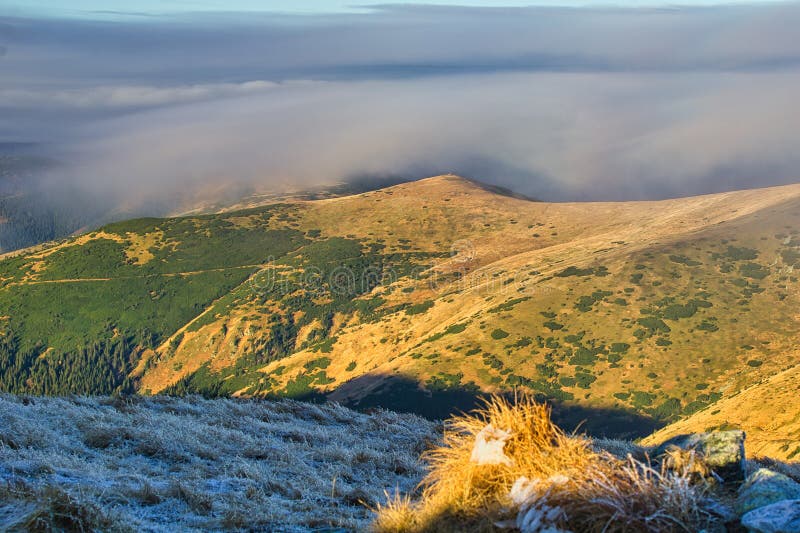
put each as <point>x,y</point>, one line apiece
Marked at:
<point>585,303</point>
<point>600,271</point>
<point>653,325</point>
<point>741,254</point>
<point>684,260</point>
<point>451,330</point>
<point>418,309</point>
<point>620,347</point>
<point>498,334</point>
<point>509,305</point>
<point>753,270</point>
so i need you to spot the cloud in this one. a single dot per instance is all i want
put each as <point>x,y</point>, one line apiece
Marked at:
<point>409,41</point>
<point>554,135</point>
<point>557,103</point>
<point>127,96</point>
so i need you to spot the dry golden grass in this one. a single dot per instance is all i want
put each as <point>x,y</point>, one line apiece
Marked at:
<point>563,481</point>
<point>614,235</point>
<point>689,463</point>
<point>772,429</point>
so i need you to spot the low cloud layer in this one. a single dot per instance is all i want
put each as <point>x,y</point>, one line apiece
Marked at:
<point>555,103</point>
<point>126,96</point>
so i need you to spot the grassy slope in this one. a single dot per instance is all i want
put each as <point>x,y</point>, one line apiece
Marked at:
<point>125,287</point>
<point>701,263</point>
<point>658,308</point>
<point>767,411</point>
<point>166,464</point>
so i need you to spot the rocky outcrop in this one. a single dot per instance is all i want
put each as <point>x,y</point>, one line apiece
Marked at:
<point>722,452</point>
<point>767,501</point>
<point>765,487</point>
<point>780,517</point>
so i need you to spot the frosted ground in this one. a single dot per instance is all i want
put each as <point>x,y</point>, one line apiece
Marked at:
<point>161,464</point>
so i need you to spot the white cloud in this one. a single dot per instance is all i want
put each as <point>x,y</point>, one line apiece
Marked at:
<point>127,96</point>
<point>557,103</point>
<point>551,135</point>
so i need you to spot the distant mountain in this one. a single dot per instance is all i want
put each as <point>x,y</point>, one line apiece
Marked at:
<point>37,206</point>
<point>420,297</point>
<point>33,210</point>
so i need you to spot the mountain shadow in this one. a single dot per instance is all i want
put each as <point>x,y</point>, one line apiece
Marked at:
<point>404,395</point>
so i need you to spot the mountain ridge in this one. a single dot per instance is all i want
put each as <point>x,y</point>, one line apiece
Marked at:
<point>439,287</point>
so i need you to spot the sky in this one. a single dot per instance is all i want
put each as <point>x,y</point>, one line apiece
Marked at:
<point>106,8</point>
<point>613,102</point>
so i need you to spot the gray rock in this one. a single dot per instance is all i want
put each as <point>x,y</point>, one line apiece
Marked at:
<point>765,487</point>
<point>723,451</point>
<point>724,512</point>
<point>780,517</point>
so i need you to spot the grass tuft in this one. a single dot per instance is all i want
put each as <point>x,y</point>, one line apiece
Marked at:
<point>49,509</point>
<point>549,479</point>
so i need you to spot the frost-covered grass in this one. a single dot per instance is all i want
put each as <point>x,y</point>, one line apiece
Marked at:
<point>166,464</point>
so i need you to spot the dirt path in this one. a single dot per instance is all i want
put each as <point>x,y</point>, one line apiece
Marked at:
<point>163,275</point>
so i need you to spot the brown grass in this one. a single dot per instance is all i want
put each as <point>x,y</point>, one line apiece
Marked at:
<point>688,463</point>
<point>565,482</point>
<point>771,429</point>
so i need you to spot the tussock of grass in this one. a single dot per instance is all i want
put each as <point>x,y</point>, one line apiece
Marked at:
<point>558,480</point>
<point>688,463</point>
<point>191,464</point>
<point>50,508</point>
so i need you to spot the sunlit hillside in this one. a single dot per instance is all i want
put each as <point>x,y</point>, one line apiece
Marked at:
<point>766,410</point>
<point>419,297</point>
